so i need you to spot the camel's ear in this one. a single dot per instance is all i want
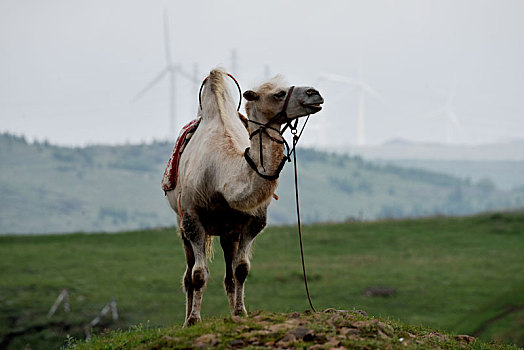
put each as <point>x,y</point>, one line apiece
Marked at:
<point>250,95</point>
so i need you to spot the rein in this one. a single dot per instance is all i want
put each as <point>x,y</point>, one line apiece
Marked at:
<point>262,129</point>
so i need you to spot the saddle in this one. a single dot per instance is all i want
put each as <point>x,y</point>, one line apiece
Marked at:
<point>170,178</point>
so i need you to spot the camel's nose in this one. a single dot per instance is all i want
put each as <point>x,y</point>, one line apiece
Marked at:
<point>312,92</point>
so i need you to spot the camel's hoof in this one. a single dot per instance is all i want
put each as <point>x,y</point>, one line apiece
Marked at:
<point>240,312</point>
<point>192,320</point>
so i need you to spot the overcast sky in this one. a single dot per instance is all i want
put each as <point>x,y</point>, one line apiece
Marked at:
<point>69,69</point>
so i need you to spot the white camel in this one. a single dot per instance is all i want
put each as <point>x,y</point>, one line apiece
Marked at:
<point>218,193</point>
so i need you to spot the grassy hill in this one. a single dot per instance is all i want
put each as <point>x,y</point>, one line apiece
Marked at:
<point>331,329</point>
<point>462,275</point>
<point>46,188</point>
<point>504,174</point>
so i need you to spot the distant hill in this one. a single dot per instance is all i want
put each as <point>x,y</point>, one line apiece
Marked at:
<point>502,163</point>
<point>46,188</point>
<point>397,149</point>
<point>505,174</point>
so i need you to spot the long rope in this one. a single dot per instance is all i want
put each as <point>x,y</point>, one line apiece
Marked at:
<point>296,136</point>
<point>295,140</point>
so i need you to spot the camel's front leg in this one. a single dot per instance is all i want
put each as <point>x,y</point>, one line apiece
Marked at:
<point>230,247</point>
<point>195,234</point>
<point>241,267</point>
<point>241,263</point>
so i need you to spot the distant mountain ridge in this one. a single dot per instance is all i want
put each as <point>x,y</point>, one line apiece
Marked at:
<point>46,188</point>
<point>400,149</point>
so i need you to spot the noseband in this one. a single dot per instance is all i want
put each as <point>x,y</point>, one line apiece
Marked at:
<point>262,129</point>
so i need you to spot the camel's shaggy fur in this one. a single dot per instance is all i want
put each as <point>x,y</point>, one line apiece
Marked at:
<point>218,194</point>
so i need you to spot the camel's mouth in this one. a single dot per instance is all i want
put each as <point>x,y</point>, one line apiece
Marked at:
<point>315,107</point>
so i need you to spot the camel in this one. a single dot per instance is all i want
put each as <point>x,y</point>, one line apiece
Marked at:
<point>218,193</point>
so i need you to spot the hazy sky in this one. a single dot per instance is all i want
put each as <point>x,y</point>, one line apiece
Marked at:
<point>69,69</point>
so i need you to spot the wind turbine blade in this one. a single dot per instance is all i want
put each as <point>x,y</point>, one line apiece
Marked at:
<point>185,74</point>
<point>167,39</point>
<point>369,90</point>
<point>434,113</point>
<point>337,97</point>
<point>151,84</point>
<point>337,78</point>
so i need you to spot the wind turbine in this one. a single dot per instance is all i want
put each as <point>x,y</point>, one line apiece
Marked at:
<point>234,62</point>
<point>447,112</point>
<point>362,90</point>
<point>171,70</point>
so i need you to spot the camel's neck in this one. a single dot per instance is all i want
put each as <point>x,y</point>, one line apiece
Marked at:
<point>251,191</point>
<point>266,153</point>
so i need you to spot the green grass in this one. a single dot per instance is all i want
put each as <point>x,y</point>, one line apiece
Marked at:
<point>448,273</point>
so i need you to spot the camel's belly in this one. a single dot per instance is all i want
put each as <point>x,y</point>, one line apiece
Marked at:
<point>219,219</point>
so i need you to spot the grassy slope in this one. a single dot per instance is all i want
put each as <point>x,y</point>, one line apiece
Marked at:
<point>449,273</point>
<point>44,188</point>
<point>327,330</point>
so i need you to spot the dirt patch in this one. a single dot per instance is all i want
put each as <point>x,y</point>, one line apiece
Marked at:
<point>331,329</point>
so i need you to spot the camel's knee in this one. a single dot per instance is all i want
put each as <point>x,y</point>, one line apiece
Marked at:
<point>200,276</point>
<point>241,271</point>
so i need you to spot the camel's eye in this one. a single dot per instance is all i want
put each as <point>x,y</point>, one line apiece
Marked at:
<point>280,95</point>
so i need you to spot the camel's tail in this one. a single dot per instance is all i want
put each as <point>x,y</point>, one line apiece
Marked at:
<point>216,97</point>
<point>218,102</point>
<point>210,252</point>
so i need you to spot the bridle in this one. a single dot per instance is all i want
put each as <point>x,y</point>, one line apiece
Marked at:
<point>263,130</point>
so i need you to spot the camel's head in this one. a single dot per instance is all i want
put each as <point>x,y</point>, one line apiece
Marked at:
<point>266,101</point>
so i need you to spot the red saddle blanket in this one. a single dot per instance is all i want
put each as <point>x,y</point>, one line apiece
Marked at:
<point>171,173</point>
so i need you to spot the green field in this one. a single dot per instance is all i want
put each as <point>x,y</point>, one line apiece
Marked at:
<point>463,275</point>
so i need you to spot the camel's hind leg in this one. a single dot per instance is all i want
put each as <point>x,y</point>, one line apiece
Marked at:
<point>195,234</point>
<point>230,246</point>
<point>241,263</point>
<point>188,279</point>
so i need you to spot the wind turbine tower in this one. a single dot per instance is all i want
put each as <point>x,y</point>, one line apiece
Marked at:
<point>234,62</point>
<point>362,89</point>
<point>171,70</point>
<point>447,112</point>
<point>267,72</point>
